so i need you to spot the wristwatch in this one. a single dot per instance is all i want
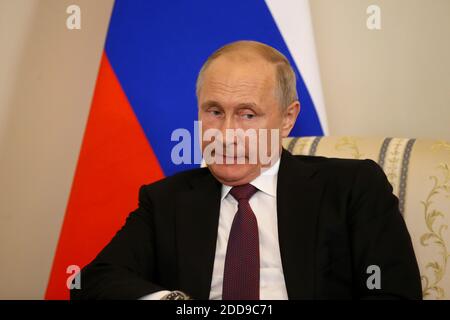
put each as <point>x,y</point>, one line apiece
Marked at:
<point>176,295</point>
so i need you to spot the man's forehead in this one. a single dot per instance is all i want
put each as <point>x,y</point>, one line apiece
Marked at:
<point>240,60</point>
<point>225,72</point>
<point>237,90</point>
<point>234,93</point>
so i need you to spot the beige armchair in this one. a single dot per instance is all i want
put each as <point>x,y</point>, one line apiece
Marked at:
<point>419,171</point>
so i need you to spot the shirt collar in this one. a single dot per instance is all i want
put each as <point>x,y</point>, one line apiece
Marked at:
<point>265,182</point>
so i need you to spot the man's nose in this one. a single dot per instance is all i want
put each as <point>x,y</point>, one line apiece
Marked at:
<point>229,124</point>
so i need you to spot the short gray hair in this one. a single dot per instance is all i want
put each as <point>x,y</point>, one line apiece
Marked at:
<point>285,75</point>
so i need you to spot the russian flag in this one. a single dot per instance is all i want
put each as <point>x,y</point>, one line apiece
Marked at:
<point>153,52</point>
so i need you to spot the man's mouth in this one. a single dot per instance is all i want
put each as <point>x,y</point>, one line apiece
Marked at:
<point>230,159</point>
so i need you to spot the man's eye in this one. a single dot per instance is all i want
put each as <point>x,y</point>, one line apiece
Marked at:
<point>248,116</point>
<point>215,113</point>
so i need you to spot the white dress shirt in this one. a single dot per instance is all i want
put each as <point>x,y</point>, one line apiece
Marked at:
<point>264,206</point>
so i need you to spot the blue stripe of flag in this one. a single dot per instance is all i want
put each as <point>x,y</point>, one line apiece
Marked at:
<point>157,48</point>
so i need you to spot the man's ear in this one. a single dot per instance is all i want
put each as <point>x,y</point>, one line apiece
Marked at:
<point>290,115</point>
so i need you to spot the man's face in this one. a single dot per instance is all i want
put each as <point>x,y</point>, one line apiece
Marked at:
<point>238,94</point>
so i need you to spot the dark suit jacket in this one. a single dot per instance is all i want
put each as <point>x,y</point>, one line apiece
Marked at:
<point>335,218</point>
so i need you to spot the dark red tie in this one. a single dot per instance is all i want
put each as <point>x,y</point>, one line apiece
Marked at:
<point>241,271</point>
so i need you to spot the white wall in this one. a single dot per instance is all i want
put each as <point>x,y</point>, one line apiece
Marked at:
<point>391,82</point>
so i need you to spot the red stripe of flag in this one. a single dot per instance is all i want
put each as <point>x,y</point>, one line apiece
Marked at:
<point>114,161</point>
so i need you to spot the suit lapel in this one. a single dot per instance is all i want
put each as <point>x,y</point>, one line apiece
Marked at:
<point>197,218</point>
<point>298,199</point>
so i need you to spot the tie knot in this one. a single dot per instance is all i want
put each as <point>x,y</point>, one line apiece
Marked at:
<point>243,192</point>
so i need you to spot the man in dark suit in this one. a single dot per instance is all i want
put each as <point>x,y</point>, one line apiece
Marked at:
<point>299,227</point>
